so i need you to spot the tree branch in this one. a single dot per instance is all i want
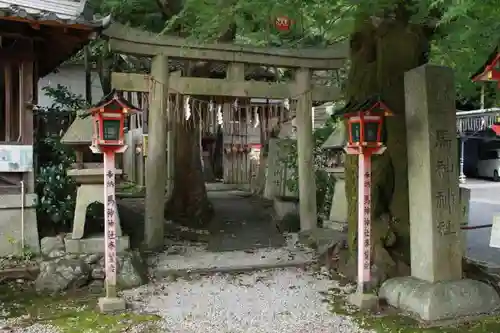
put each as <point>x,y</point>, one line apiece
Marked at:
<point>165,10</point>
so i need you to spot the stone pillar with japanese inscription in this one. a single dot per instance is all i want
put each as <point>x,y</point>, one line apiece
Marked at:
<point>436,291</point>
<point>436,250</point>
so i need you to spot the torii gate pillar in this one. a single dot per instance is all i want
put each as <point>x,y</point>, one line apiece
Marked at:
<point>305,147</point>
<point>156,173</point>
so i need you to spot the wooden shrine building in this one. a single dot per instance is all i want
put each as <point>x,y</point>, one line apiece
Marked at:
<point>35,38</point>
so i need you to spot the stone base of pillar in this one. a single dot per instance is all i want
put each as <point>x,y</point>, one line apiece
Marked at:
<point>94,244</point>
<point>441,301</point>
<point>363,301</point>
<point>111,304</point>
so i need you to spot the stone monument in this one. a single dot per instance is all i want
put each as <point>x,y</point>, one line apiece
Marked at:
<point>273,172</point>
<point>338,211</point>
<point>436,290</point>
<point>90,180</point>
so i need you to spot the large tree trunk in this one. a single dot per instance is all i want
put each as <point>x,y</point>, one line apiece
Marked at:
<point>189,204</point>
<point>380,55</point>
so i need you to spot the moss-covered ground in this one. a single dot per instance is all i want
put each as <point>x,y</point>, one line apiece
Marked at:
<point>71,312</point>
<point>391,321</point>
<point>76,312</point>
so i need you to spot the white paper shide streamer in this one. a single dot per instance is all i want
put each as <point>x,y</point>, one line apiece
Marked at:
<point>286,104</point>
<point>187,107</point>
<point>256,121</point>
<point>220,120</point>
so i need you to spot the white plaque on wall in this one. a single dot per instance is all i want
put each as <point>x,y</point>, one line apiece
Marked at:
<point>16,158</point>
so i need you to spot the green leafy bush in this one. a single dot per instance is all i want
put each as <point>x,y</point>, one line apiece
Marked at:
<point>56,191</point>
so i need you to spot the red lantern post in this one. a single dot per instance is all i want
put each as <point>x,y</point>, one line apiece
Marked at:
<point>365,129</point>
<point>108,138</point>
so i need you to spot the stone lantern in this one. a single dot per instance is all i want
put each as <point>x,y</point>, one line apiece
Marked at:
<point>338,212</point>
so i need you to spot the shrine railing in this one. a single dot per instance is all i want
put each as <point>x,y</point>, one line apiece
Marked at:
<point>476,120</point>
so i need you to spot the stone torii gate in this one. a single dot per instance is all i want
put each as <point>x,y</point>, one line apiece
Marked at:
<point>132,41</point>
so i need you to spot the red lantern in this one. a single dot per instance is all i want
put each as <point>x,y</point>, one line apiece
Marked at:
<point>364,126</point>
<point>283,23</point>
<point>108,123</point>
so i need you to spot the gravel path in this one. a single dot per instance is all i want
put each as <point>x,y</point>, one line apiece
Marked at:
<point>285,300</point>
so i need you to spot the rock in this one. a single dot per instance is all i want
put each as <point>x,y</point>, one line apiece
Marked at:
<point>61,274</point>
<point>98,273</point>
<point>285,205</point>
<point>91,258</point>
<point>289,223</point>
<point>382,230</point>
<point>444,300</point>
<point>56,254</point>
<point>131,271</point>
<point>50,244</point>
<point>322,239</point>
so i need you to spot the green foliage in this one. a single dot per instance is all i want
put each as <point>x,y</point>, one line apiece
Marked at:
<point>64,100</point>
<point>56,191</point>
<point>324,181</point>
<point>140,13</point>
<point>467,30</point>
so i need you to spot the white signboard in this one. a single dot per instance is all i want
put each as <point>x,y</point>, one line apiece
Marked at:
<point>16,158</point>
<point>495,232</point>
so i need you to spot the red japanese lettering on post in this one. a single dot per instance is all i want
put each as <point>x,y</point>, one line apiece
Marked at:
<point>110,218</point>
<point>364,217</point>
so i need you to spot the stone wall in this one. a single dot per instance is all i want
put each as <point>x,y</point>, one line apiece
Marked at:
<point>16,225</point>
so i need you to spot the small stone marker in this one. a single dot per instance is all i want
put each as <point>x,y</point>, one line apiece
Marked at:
<point>436,253</point>
<point>273,170</point>
<point>495,232</point>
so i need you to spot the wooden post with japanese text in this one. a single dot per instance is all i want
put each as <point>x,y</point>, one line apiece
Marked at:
<point>110,223</point>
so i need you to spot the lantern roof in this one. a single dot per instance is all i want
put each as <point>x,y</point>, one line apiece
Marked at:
<point>482,73</point>
<point>113,98</point>
<point>369,104</point>
<point>338,138</point>
<point>80,131</point>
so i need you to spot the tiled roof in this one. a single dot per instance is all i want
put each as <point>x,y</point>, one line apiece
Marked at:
<point>63,11</point>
